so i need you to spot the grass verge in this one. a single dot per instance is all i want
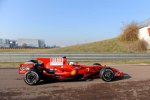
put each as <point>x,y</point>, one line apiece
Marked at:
<point>114,62</point>
<point>9,64</point>
<point>111,62</point>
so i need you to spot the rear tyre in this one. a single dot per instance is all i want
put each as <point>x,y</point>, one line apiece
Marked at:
<point>31,77</point>
<point>107,74</point>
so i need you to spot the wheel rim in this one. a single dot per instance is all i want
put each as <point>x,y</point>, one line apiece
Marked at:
<point>31,77</point>
<point>108,75</point>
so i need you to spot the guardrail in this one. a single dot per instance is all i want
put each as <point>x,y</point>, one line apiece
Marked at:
<point>13,57</point>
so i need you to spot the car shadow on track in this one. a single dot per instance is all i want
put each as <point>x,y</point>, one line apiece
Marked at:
<point>125,77</point>
<point>59,81</point>
<point>42,82</point>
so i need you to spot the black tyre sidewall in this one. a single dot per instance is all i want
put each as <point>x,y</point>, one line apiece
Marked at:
<point>35,81</point>
<point>105,72</point>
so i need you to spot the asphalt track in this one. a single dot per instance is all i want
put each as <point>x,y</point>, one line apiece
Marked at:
<point>135,82</point>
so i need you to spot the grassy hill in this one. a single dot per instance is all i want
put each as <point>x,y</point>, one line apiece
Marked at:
<point>23,50</point>
<point>110,45</point>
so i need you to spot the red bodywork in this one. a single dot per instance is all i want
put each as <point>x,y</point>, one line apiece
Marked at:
<point>63,70</point>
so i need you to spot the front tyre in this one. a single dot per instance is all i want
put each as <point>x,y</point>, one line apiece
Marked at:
<point>107,75</point>
<point>31,77</point>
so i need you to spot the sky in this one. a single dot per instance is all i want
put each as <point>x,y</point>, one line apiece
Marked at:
<point>69,22</point>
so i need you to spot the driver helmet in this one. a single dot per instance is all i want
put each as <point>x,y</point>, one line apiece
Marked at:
<point>71,63</point>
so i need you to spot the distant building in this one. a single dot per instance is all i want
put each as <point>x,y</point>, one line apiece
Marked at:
<point>144,32</point>
<point>13,44</point>
<point>36,43</point>
<point>6,43</point>
<point>42,44</point>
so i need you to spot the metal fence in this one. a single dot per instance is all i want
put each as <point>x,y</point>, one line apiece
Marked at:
<point>21,57</point>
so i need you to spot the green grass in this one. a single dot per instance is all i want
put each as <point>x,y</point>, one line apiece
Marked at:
<point>27,50</point>
<point>110,45</point>
<point>9,64</point>
<point>115,62</point>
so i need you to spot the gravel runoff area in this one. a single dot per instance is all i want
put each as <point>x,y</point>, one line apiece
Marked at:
<point>135,85</point>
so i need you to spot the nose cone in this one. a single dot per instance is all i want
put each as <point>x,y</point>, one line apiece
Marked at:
<point>119,74</point>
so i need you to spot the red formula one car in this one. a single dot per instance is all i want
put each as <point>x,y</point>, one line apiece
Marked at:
<point>61,69</point>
